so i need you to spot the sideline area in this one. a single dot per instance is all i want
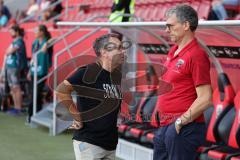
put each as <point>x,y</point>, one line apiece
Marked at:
<point>20,141</point>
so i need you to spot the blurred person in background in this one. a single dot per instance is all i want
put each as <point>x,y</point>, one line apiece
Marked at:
<point>219,10</point>
<point>16,62</point>
<point>51,11</point>
<point>5,9</point>
<point>44,59</point>
<point>44,7</point>
<point>3,19</point>
<point>44,4</point>
<point>121,7</point>
<point>57,9</point>
<point>33,9</point>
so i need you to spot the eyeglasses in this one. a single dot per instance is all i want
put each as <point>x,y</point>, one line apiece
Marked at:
<point>112,46</point>
<point>169,26</point>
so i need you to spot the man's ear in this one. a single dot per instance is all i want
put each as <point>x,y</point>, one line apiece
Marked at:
<point>186,26</point>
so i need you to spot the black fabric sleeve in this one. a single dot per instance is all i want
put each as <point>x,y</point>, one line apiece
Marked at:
<point>76,77</point>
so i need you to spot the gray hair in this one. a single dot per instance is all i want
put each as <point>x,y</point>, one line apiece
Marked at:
<point>184,13</point>
<point>102,41</point>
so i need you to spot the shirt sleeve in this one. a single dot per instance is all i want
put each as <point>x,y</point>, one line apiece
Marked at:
<point>76,77</point>
<point>200,69</point>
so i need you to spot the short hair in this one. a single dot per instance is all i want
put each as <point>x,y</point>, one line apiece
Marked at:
<point>102,41</point>
<point>184,13</point>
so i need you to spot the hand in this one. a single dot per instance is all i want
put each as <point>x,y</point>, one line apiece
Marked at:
<point>76,125</point>
<point>178,128</point>
<point>51,40</point>
<point>44,48</point>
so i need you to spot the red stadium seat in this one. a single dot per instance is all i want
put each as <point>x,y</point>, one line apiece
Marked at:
<point>161,12</point>
<point>147,12</point>
<point>74,2</point>
<point>204,9</point>
<point>234,139</point>
<point>133,114</point>
<point>231,119</point>
<point>235,8</point>
<point>223,101</point>
<point>195,5</point>
<point>147,137</point>
<point>145,108</point>
<point>144,132</point>
<point>142,2</point>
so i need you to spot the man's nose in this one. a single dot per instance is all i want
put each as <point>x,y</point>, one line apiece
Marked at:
<point>124,51</point>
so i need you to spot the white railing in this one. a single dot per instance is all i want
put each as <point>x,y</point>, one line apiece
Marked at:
<point>146,24</point>
<point>218,25</point>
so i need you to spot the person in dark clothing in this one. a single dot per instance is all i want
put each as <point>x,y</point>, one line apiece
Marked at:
<point>16,62</point>
<point>99,99</point>
<point>56,9</point>
<point>5,10</point>
<point>121,7</point>
<point>44,60</point>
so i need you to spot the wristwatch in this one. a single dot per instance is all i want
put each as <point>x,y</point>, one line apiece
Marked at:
<point>178,122</point>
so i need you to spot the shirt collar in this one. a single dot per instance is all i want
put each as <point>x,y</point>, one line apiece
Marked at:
<point>183,51</point>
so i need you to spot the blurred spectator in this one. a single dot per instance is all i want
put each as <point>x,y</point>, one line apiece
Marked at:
<point>121,7</point>
<point>16,62</point>
<point>57,9</point>
<point>33,8</point>
<point>219,10</point>
<point>51,11</point>
<point>39,2</point>
<point>5,9</point>
<point>3,19</point>
<point>44,58</point>
<point>45,9</point>
<point>31,12</point>
<point>44,4</point>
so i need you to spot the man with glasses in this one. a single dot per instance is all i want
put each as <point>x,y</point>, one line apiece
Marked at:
<point>99,99</point>
<point>182,128</point>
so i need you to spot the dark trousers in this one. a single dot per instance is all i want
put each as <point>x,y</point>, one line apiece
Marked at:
<point>40,87</point>
<point>168,145</point>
